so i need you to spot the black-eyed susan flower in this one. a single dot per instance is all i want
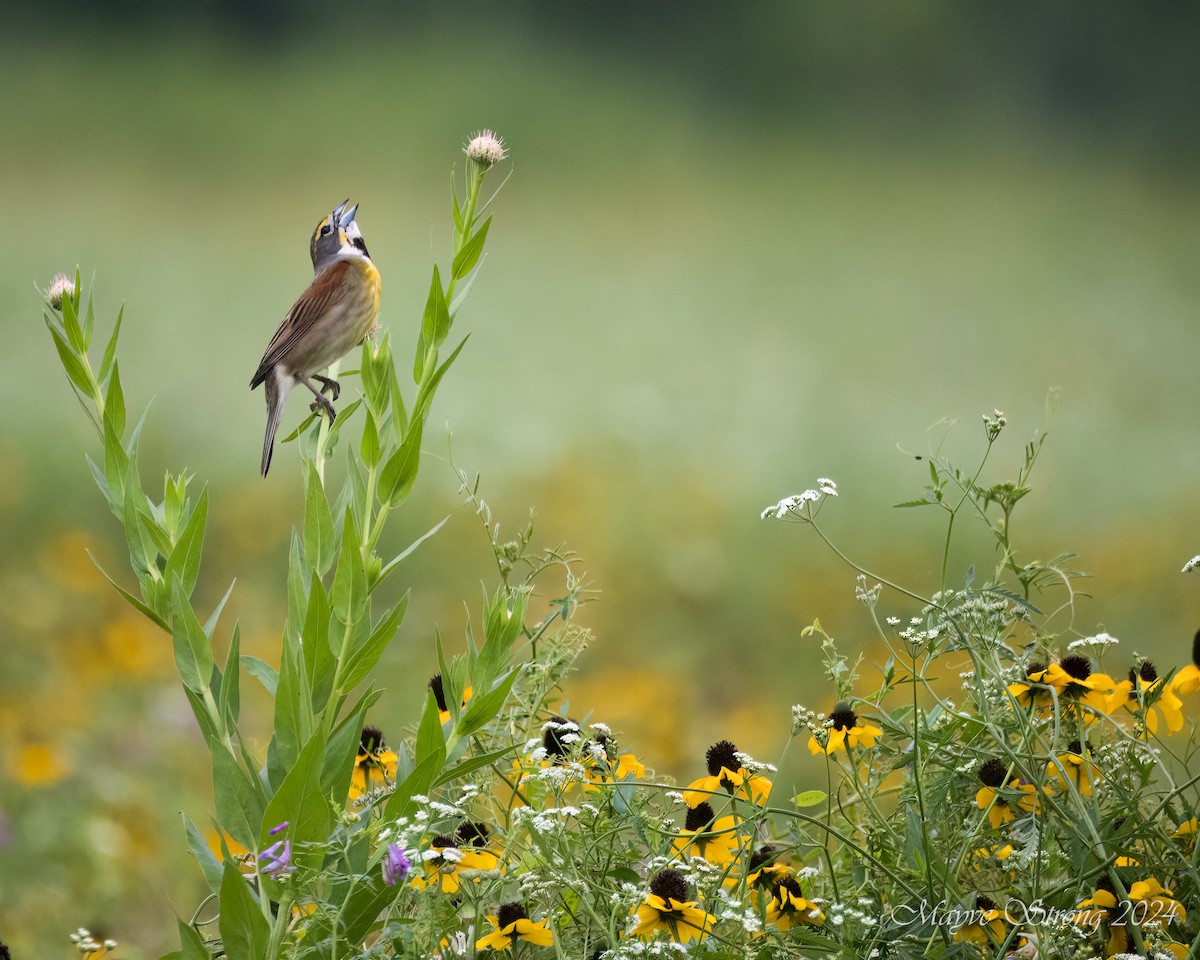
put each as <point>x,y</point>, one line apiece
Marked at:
<point>667,908</point>
<point>512,923</point>
<point>789,907</point>
<point>605,765</point>
<point>725,772</point>
<point>437,686</point>
<point>1145,693</point>
<point>764,870</point>
<point>844,731</point>
<point>559,734</point>
<point>1077,683</point>
<point>987,926</point>
<point>1187,680</point>
<point>1077,766</point>
<point>1004,799</point>
<point>705,836</point>
<point>1034,689</point>
<point>375,764</point>
<point>1187,831</point>
<point>445,860</point>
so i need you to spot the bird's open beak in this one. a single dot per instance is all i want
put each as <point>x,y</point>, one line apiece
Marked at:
<point>345,219</point>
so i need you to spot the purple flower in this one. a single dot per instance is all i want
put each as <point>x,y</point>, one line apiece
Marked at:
<point>274,863</point>
<point>395,864</point>
<point>279,827</point>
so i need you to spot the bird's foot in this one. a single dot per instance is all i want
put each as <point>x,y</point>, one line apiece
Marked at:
<point>322,404</point>
<point>328,383</point>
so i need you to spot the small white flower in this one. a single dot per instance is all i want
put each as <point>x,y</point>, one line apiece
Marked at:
<point>1193,564</point>
<point>893,621</point>
<point>1099,640</point>
<point>486,148</point>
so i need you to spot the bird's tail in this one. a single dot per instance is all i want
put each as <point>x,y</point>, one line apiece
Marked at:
<point>276,388</point>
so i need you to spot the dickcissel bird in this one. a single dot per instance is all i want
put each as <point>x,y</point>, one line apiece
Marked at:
<point>334,315</point>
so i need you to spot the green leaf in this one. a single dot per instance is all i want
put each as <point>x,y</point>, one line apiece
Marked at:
<point>430,740</point>
<point>72,365</point>
<point>318,657</point>
<point>191,944</point>
<point>468,256</point>
<point>424,398</point>
<point>297,581</point>
<point>237,798</point>
<point>262,671</point>
<point>363,658</point>
<point>230,702</point>
<point>435,324</point>
<point>318,523</point>
<point>342,748</point>
<point>482,709</point>
<point>400,472</point>
<point>114,403</point>
<point>369,449</point>
<point>133,601</point>
<point>110,351</point>
<point>349,593</point>
<point>210,866</point>
<point>809,798</point>
<point>245,933</point>
<point>471,764</point>
<point>302,802</point>
<point>193,651</point>
<point>70,316</point>
<point>407,551</point>
<point>293,705</point>
<point>184,560</point>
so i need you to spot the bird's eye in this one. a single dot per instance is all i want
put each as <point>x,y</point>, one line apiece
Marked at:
<point>325,230</point>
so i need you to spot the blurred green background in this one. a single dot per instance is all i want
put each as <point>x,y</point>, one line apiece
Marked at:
<point>742,246</point>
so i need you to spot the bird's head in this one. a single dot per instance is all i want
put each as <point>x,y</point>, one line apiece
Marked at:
<point>337,236</point>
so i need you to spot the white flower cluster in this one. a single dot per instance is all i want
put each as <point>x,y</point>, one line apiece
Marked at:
<point>754,766</point>
<point>1099,640</point>
<point>865,594</point>
<point>994,424</point>
<point>86,943</point>
<point>1193,564</point>
<point>798,505</point>
<point>810,720</point>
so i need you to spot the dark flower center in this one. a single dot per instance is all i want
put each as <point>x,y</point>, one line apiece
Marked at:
<point>441,840</point>
<point>994,773</point>
<point>1075,747</point>
<point>1034,668</point>
<point>510,913</point>
<point>1076,666</point>
<point>553,739</point>
<point>439,691</point>
<point>4,954</point>
<point>670,885</point>
<point>699,817</point>
<point>843,717</point>
<point>721,754</point>
<point>471,833</point>
<point>1105,884</point>
<point>790,885</point>
<point>1196,649</point>
<point>984,903</point>
<point>1147,672</point>
<point>371,740</point>
<point>762,856</point>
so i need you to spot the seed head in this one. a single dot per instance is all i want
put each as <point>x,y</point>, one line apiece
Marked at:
<point>486,148</point>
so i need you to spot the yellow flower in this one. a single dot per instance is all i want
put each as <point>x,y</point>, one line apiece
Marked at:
<point>1149,902</point>
<point>725,772</point>
<point>788,907</point>
<point>715,840</point>
<point>998,798</point>
<point>667,908</point>
<point>445,860</point>
<point>1145,693</point>
<point>375,762</point>
<point>1027,693</point>
<point>1075,682</point>
<point>1187,830</point>
<point>1081,772</point>
<point>844,730</point>
<point>512,923</point>
<point>39,765</point>
<point>439,694</point>
<point>762,871</point>
<point>1187,680</point>
<point>603,768</point>
<point>988,929</point>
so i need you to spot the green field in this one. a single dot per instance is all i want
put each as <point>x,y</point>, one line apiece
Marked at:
<point>689,310</point>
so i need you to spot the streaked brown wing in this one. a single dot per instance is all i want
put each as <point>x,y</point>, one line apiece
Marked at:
<point>326,289</point>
